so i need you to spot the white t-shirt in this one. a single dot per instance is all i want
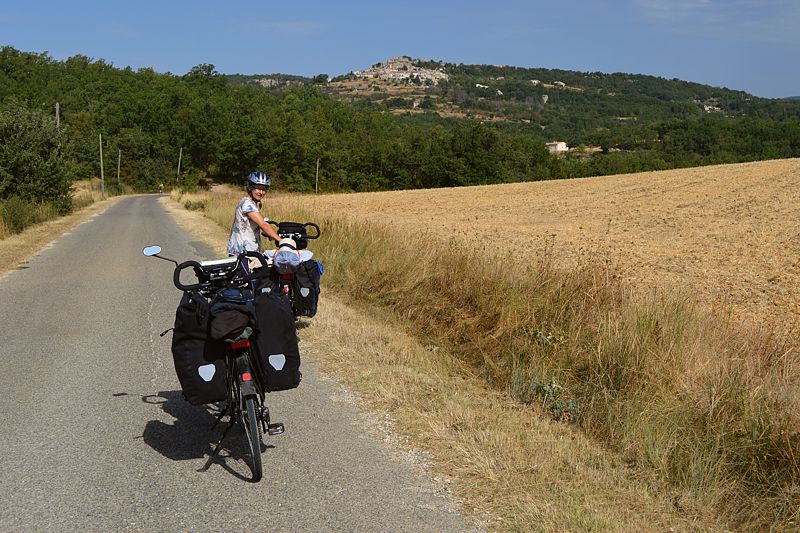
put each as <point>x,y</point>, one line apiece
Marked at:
<point>245,234</point>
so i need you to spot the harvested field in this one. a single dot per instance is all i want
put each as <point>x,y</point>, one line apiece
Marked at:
<point>724,235</point>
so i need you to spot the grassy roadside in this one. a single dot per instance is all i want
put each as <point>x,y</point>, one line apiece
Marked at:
<point>17,215</point>
<point>500,455</point>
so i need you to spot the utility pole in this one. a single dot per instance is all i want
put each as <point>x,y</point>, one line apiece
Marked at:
<point>102,173</point>
<point>58,116</point>
<point>119,160</point>
<point>316,181</point>
<point>180,156</point>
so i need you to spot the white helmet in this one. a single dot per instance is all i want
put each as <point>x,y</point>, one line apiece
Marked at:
<point>258,178</point>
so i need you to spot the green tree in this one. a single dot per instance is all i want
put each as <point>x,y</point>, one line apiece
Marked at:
<point>32,162</point>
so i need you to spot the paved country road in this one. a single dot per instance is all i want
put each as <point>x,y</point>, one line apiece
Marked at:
<point>95,433</point>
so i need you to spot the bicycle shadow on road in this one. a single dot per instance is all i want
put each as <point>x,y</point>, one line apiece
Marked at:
<point>191,435</point>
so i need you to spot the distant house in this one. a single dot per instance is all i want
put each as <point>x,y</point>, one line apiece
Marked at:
<point>481,86</point>
<point>559,84</point>
<point>557,147</point>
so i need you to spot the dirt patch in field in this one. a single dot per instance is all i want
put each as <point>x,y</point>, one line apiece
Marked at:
<point>724,235</point>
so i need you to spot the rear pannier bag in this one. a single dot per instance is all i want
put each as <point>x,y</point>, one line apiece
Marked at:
<point>277,357</point>
<point>199,361</point>
<point>306,288</point>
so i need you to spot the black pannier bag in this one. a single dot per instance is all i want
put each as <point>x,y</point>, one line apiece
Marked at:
<point>232,311</point>
<point>277,356</point>
<point>306,288</point>
<point>199,361</point>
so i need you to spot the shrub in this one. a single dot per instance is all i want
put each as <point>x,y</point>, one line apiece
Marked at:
<point>32,163</point>
<point>17,214</point>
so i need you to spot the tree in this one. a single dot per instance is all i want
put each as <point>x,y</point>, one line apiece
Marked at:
<point>32,163</point>
<point>428,103</point>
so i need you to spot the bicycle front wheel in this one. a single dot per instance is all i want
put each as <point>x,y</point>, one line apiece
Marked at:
<point>253,431</point>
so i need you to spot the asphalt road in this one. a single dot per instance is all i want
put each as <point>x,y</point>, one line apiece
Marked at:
<point>96,436</point>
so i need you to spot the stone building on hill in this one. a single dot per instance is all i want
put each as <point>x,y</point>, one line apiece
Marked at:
<point>402,69</point>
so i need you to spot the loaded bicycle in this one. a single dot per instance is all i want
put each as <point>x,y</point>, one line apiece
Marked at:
<point>215,355</point>
<point>296,280</point>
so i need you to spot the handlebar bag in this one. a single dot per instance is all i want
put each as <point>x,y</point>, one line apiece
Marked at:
<point>197,357</point>
<point>277,356</point>
<point>306,287</point>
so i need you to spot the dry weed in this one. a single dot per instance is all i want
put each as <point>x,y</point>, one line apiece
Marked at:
<point>496,455</point>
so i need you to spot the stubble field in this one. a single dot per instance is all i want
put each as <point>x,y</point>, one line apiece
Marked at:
<point>726,236</point>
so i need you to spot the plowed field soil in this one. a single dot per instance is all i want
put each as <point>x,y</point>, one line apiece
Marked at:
<point>726,236</point>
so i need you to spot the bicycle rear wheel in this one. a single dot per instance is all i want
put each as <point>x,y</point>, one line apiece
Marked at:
<point>253,432</point>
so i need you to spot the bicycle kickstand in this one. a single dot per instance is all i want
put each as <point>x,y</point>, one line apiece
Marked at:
<point>220,415</point>
<point>218,446</point>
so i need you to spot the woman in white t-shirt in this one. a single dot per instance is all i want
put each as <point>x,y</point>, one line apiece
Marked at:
<point>248,222</point>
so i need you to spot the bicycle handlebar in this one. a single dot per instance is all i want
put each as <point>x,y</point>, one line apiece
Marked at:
<point>205,277</point>
<point>176,275</point>
<point>287,232</point>
<point>311,224</point>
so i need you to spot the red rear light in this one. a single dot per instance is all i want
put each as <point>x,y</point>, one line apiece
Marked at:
<point>247,377</point>
<point>241,344</point>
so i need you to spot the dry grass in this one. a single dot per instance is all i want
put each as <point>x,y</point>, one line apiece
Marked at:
<point>17,215</point>
<point>530,473</point>
<point>86,192</point>
<point>700,400</point>
<point>725,235</point>
<point>497,455</point>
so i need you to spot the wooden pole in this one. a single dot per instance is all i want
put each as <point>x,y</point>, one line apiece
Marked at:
<point>102,172</point>
<point>119,160</point>
<point>180,156</point>
<point>58,116</point>
<point>316,181</point>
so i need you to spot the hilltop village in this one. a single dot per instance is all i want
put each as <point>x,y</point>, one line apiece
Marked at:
<point>402,68</point>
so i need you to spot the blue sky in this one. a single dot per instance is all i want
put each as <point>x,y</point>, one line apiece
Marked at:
<point>749,45</point>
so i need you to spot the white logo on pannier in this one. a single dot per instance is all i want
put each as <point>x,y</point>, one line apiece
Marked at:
<point>207,372</point>
<point>304,291</point>
<point>277,361</point>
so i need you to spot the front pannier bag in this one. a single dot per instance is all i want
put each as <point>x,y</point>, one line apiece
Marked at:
<point>306,288</point>
<point>198,359</point>
<point>277,358</point>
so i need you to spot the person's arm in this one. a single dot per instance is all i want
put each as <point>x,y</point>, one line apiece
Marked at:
<point>265,226</point>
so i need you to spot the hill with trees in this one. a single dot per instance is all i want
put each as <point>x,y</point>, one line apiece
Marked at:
<point>480,125</point>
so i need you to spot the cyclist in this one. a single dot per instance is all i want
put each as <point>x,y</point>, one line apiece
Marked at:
<point>248,222</point>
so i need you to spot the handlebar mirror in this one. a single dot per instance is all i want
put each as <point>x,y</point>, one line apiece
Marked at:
<point>150,251</point>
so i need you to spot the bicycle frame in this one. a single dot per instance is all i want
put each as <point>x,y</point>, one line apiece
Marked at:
<point>238,363</point>
<point>245,405</point>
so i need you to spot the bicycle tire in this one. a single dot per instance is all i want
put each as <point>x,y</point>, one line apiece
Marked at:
<point>253,433</point>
